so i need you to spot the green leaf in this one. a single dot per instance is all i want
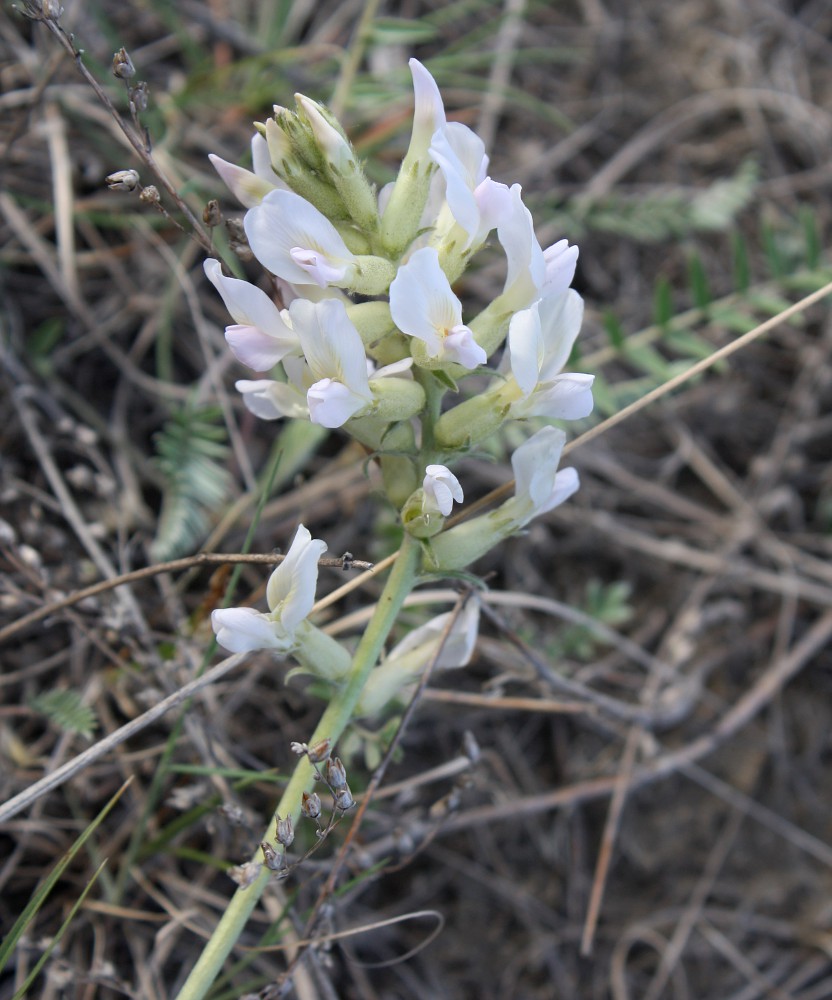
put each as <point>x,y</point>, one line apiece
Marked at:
<point>401,31</point>
<point>192,455</point>
<point>66,710</point>
<point>613,329</point>
<point>662,303</point>
<point>699,283</point>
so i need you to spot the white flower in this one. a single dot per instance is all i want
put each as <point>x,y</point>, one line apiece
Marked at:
<point>560,259</point>
<point>532,273</point>
<point>428,112</point>
<point>539,486</point>
<point>476,203</point>
<point>290,594</point>
<point>423,306</point>
<point>406,662</point>
<point>247,187</point>
<point>458,648</point>
<point>337,364</point>
<point>261,337</point>
<point>297,242</point>
<point>540,340</point>
<point>271,400</point>
<point>441,489</point>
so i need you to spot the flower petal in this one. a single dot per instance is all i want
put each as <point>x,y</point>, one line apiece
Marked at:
<point>295,241</point>
<point>290,591</point>
<point>526,265</point>
<point>441,488</point>
<point>261,337</point>
<point>561,260</point>
<point>331,404</point>
<point>240,630</point>
<point>271,400</point>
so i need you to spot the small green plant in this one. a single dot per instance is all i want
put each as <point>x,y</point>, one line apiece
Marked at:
<point>66,710</point>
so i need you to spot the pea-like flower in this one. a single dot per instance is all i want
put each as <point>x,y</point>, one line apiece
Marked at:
<point>290,594</point>
<point>262,335</point>
<point>540,340</point>
<point>474,201</point>
<point>424,307</point>
<point>249,187</point>
<point>441,488</point>
<point>296,242</point>
<point>405,663</point>
<point>531,272</point>
<point>539,486</point>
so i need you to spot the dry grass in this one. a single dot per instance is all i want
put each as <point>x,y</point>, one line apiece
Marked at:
<point>649,817</point>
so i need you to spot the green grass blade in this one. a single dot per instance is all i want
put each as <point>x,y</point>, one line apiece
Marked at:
<point>53,944</point>
<point>9,943</point>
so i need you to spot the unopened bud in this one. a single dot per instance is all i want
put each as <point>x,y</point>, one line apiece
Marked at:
<point>285,831</point>
<point>123,66</point>
<point>150,195</point>
<point>122,180</point>
<point>336,774</point>
<point>311,805</point>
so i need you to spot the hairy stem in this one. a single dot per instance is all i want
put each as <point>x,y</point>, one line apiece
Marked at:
<point>333,721</point>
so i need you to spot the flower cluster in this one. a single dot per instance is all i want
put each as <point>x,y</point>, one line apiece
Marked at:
<point>372,338</point>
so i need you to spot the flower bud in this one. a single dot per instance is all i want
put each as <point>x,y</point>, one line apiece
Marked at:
<point>320,654</point>
<point>470,422</point>
<point>341,164</point>
<point>396,399</point>
<point>419,521</point>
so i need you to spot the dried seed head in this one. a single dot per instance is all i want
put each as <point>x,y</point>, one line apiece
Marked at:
<point>319,751</point>
<point>344,799</point>
<point>273,861</point>
<point>237,239</point>
<point>122,180</point>
<point>316,753</point>
<point>150,195</point>
<point>245,874</point>
<point>233,813</point>
<point>123,66</point>
<point>211,214</point>
<point>336,775</point>
<point>285,831</point>
<point>311,805</point>
<point>139,97</point>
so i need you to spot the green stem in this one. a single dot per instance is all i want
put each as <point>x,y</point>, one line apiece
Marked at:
<point>333,721</point>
